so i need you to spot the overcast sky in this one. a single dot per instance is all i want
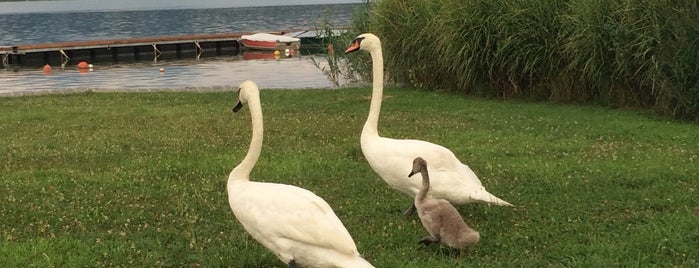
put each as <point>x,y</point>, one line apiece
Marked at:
<point>106,5</point>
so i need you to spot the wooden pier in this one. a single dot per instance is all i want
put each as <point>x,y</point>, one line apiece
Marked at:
<point>121,49</point>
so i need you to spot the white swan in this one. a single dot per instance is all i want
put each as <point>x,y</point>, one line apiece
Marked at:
<point>441,220</point>
<point>299,227</point>
<point>389,158</point>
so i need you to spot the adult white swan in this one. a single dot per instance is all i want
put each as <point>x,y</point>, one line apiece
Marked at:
<point>390,158</point>
<point>299,227</point>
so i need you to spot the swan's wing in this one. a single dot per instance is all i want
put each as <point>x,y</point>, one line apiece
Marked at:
<point>393,158</point>
<point>462,177</point>
<point>397,151</point>
<point>279,211</point>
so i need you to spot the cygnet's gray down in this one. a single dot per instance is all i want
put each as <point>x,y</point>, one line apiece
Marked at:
<point>442,221</point>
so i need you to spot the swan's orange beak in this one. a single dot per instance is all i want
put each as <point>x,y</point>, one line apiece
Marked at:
<point>353,47</point>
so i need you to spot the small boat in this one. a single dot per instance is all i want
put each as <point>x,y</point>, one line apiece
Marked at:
<point>266,41</point>
<point>316,39</point>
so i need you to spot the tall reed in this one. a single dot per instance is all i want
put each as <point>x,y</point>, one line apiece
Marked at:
<point>638,53</point>
<point>634,53</point>
<point>332,42</point>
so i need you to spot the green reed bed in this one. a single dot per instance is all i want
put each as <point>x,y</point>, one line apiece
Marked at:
<point>615,52</point>
<point>138,180</point>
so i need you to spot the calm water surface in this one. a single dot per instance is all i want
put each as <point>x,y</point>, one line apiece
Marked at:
<point>221,71</point>
<point>209,74</point>
<point>31,28</point>
<point>122,5</point>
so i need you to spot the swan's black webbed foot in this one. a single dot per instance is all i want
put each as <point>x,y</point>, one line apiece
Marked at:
<point>427,240</point>
<point>409,211</point>
<point>292,264</point>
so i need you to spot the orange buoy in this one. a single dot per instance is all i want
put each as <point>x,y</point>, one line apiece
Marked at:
<point>47,69</point>
<point>162,70</point>
<point>83,65</point>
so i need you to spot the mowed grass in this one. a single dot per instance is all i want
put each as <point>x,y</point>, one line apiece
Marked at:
<point>138,179</point>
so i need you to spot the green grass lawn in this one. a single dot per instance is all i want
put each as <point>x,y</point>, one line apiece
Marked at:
<point>138,179</point>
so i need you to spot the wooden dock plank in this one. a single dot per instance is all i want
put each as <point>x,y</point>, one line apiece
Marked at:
<point>64,52</point>
<point>126,42</point>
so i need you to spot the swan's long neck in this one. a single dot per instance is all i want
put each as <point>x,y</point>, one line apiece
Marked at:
<point>242,171</point>
<point>372,121</point>
<point>422,194</point>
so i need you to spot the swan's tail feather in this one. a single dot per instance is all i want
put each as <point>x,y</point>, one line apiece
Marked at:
<point>484,196</point>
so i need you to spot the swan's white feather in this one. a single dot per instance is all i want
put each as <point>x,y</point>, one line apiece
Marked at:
<point>273,213</point>
<point>451,179</point>
<point>292,222</point>
<point>390,158</point>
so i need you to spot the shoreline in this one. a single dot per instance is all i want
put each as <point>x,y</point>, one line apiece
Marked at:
<point>66,91</point>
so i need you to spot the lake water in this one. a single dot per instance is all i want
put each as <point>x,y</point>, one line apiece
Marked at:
<point>214,73</point>
<point>27,27</point>
<point>52,6</point>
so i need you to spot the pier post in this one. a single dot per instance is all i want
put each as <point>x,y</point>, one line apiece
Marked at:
<point>198,48</point>
<point>64,56</point>
<point>156,53</point>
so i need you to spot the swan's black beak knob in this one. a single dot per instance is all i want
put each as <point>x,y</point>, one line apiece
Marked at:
<point>237,106</point>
